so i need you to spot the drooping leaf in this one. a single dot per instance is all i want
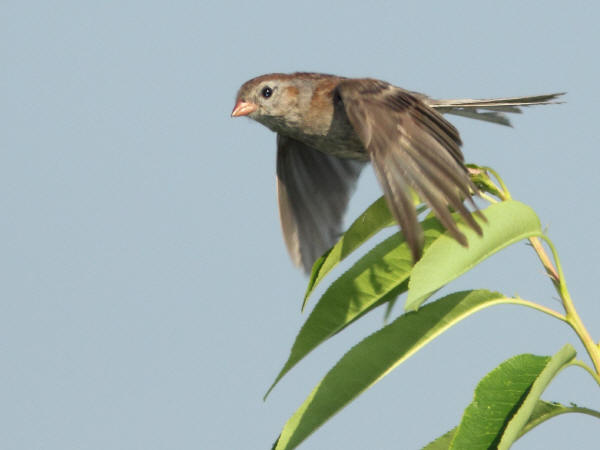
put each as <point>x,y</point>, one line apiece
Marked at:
<point>541,412</point>
<point>445,259</point>
<point>505,398</point>
<point>377,355</point>
<point>375,218</point>
<point>379,275</point>
<point>519,420</point>
<point>547,410</point>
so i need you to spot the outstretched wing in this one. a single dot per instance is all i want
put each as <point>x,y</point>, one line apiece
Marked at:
<point>411,146</point>
<point>313,191</point>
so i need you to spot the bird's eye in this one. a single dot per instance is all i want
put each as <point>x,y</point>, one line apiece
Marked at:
<point>266,92</point>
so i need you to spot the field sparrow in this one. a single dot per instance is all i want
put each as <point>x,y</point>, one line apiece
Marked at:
<point>328,127</point>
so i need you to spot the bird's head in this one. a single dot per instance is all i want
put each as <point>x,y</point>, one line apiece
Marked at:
<point>283,102</point>
<point>268,99</point>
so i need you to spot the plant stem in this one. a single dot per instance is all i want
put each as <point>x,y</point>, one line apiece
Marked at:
<point>537,306</point>
<point>558,280</point>
<point>487,197</point>
<point>503,189</point>
<point>556,275</point>
<point>587,368</point>
<point>572,318</point>
<point>546,261</point>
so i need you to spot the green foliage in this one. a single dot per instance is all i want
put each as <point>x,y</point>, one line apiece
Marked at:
<point>381,273</point>
<point>374,219</point>
<point>507,401</point>
<point>504,400</point>
<point>542,411</point>
<point>370,360</point>
<point>507,222</point>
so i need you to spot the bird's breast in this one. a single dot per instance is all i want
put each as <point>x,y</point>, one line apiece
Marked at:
<point>332,133</point>
<point>342,145</point>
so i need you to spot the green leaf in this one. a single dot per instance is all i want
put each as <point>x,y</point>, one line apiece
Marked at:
<point>443,442</point>
<point>378,276</point>
<point>547,410</point>
<point>496,398</point>
<point>377,355</point>
<point>507,222</point>
<point>374,219</point>
<point>560,360</point>
<point>541,412</point>
<point>505,398</point>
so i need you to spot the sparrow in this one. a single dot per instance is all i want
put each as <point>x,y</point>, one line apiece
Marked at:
<point>328,127</point>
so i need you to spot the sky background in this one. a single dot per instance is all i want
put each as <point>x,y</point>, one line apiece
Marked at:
<point>147,300</point>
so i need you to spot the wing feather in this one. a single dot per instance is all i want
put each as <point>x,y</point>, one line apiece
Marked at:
<point>411,146</point>
<point>313,191</point>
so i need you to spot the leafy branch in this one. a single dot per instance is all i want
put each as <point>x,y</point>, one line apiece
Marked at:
<point>385,272</point>
<point>556,275</point>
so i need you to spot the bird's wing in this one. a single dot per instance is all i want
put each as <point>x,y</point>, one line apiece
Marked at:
<point>411,146</point>
<point>313,190</point>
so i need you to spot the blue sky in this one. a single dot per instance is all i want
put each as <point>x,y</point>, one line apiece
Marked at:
<point>147,297</point>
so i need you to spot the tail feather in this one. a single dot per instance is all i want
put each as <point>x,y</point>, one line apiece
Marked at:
<point>487,116</point>
<point>491,110</point>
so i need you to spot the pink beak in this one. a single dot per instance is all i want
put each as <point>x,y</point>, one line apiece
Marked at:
<point>243,108</point>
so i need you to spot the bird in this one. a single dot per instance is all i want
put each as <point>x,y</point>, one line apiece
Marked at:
<point>329,127</point>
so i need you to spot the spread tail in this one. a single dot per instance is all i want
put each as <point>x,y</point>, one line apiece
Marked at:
<point>491,110</point>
